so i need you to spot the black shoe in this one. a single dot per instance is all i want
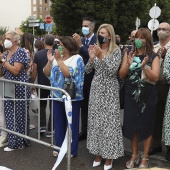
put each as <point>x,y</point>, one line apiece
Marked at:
<point>82,136</point>
<point>153,150</point>
<point>168,155</point>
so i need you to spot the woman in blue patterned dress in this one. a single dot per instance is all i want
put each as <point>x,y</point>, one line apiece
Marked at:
<point>140,96</point>
<point>59,68</point>
<point>14,68</point>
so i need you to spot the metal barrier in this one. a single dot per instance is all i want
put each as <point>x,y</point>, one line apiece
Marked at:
<point>7,88</point>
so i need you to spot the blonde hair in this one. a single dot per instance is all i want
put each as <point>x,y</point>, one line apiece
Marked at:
<point>111,32</point>
<point>14,34</point>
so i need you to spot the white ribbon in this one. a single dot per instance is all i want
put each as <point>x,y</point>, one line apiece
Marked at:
<point>63,149</point>
<point>4,168</point>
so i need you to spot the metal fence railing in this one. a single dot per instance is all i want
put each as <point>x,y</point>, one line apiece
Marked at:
<point>7,92</point>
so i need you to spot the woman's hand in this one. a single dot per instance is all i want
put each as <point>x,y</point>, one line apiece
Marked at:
<point>130,58</point>
<point>97,51</point>
<point>57,55</point>
<point>50,55</point>
<point>144,62</point>
<point>91,53</point>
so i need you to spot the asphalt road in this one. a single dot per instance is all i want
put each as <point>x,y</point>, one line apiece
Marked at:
<point>39,157</point>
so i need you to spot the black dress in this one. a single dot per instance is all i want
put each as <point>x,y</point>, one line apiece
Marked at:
<point>140,100</point>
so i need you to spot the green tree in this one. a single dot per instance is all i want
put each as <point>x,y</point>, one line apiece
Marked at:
<point>68,14</point>
<point>3,30</point>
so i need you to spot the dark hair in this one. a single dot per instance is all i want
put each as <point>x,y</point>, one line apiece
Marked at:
<point>70,44</point>
<point>27,41</point>
<point>92,21</point>
<point>49,39</point>
<point>39,45</point>
<point>146,34</point>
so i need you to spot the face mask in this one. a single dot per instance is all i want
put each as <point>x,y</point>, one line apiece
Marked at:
<point>85,30</point>
<point>7,44</point>
<point>138,43</point>
<point>162,34</point>
<point>102,39</point>
<point>62,50</point>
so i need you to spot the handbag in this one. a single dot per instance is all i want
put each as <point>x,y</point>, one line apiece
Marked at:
<point>70,88</point>
<point>145,79</point>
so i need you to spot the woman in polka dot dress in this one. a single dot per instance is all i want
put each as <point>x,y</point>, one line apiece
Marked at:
<point>13,67</point>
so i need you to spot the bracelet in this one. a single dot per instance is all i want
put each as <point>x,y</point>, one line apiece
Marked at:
<point>146,67</point>
<point>3,62</point>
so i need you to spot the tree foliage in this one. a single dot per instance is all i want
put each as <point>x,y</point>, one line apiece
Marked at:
<point>37,31</point>
<point>68,14</point>
<point>3,30</point>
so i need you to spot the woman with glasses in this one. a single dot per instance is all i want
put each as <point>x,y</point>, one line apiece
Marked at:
<point>141,68</point>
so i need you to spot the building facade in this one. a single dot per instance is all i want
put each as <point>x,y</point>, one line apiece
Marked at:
<point>40,8</point>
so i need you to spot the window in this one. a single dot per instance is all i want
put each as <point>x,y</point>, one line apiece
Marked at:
<point>34,1</point>
<point>46,9</point>
<point>40,2</point>
<point>40,16</point>
<point>34,9</point>
<point>40,10</point>
<point>46,1</point>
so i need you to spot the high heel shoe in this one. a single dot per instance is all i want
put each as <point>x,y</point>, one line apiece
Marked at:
<point>96,163</point>
<point>107,167</point>
<point>130,164</point>
<point>144,158</point>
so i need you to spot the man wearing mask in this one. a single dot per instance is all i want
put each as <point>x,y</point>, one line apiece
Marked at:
<point>162,86</point>
<point>89,38</point>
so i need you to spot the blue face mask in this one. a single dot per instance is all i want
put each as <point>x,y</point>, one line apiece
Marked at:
<point>85,31</point>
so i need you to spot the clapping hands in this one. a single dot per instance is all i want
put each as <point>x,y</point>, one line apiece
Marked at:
<point>95,51</point>
<point>56,55</point>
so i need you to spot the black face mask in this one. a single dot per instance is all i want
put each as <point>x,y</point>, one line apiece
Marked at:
<point>102,39</point>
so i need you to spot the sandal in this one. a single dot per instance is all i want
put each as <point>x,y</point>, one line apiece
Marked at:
<point>134,160</point>
<point>144,158</point>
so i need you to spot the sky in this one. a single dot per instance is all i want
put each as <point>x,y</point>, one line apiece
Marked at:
<point>13,12</point>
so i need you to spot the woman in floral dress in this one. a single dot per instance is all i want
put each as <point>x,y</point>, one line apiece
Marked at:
<point>140,96</point>
<point>166,122</point>
<point>104,137</point>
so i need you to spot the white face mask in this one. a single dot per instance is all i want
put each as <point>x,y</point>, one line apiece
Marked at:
<point>162,34</point>
<point>7,44</point>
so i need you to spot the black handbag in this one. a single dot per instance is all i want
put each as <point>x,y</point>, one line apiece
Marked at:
<point>70,88</point>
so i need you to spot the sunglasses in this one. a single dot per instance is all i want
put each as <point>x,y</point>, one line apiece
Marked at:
<point>163,29</point>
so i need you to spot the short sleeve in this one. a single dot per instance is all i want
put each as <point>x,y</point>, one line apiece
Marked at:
<point>21,56</point>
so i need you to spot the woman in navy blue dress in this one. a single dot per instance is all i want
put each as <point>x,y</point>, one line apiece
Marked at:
<point>14,67</point>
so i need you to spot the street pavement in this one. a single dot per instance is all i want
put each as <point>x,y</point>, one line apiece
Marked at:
<point>39,157</point>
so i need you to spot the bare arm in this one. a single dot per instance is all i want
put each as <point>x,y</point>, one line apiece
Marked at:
<point>153,72</point>
<point>34,73</point>
<point>127,61</point>
<point>15,69</point>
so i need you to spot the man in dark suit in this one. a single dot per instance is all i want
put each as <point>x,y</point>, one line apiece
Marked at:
<point>89,38</point>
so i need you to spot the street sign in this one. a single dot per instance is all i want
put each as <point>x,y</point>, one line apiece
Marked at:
<point>48,19</point>
<point>33,20</point>
<point>34,24</point>
<point>155,12</point>
<point>42,26</point>
<point>48,27</point>
<point>32,17</point>
<point>153,24</point>
<point>137,23</point>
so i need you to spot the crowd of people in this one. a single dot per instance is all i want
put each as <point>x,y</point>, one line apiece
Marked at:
<point>93,63</point>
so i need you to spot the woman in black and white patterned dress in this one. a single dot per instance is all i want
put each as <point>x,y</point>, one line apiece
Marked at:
<point>104,137</point>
